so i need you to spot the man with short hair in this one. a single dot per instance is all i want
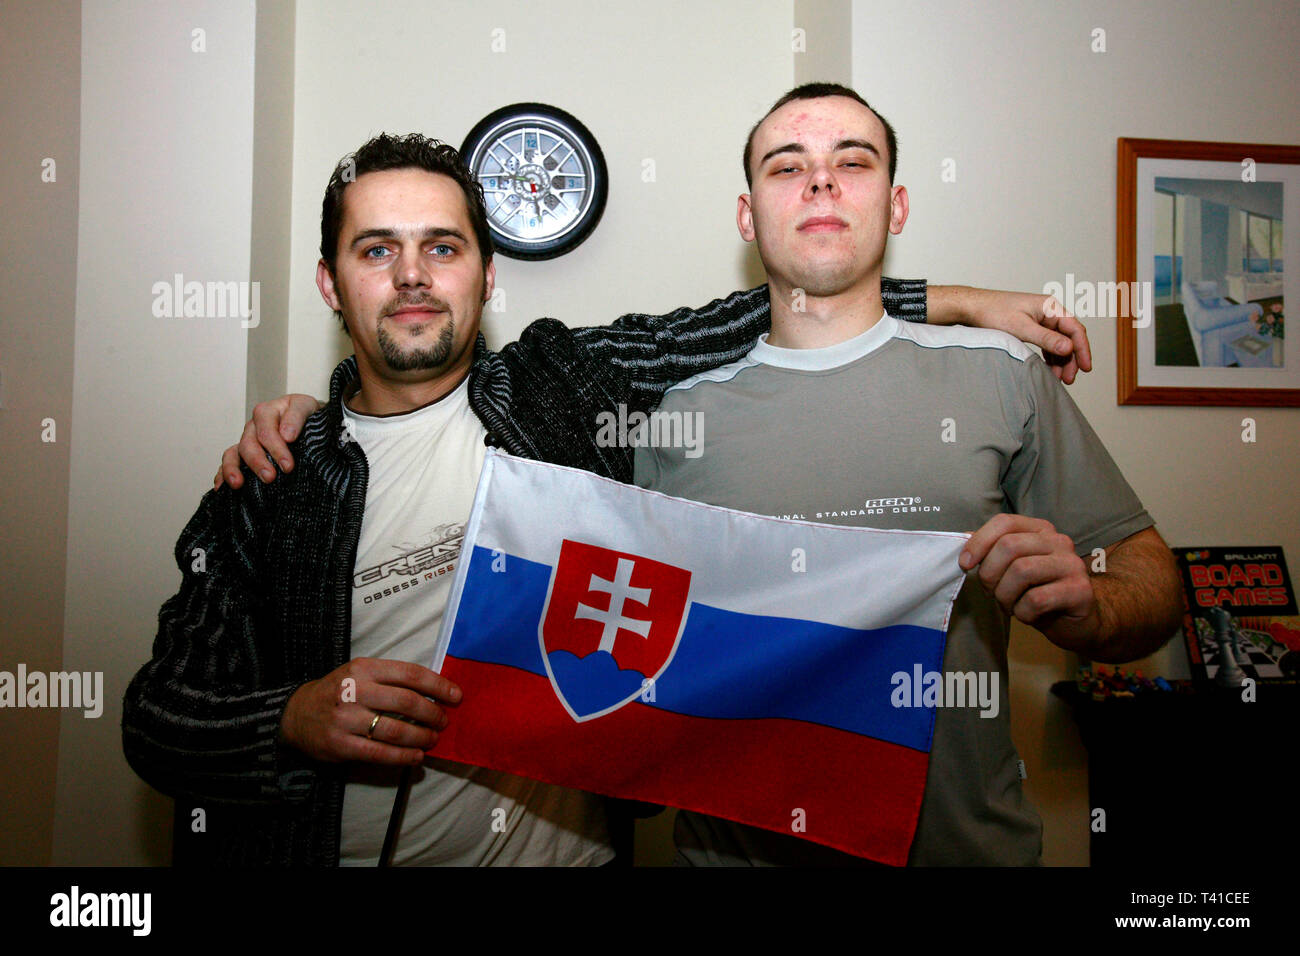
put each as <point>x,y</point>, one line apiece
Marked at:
<point>285,689</point>
<point>283,694</point>
<point>842,414</point>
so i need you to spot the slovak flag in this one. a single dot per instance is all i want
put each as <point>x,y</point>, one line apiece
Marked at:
<point>624,642</point>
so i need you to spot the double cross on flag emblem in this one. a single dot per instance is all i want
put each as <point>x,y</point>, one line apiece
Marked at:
<point>610,627</point>
<point>620,591</point>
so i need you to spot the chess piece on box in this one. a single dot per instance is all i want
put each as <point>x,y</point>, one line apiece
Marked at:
<point>1228,638</point>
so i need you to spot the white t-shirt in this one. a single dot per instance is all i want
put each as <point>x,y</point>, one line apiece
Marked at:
<point>424,466</point>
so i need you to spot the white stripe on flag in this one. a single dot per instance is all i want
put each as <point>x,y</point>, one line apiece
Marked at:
<point>739,561</point>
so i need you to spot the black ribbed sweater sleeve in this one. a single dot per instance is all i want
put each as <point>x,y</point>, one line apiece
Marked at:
<point>661,350</point>
<point>202,718</point>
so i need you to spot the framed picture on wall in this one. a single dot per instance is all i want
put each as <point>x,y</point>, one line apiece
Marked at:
<point>1205,267</point>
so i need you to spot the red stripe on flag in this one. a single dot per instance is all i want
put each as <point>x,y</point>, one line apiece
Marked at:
<point>859,794</point>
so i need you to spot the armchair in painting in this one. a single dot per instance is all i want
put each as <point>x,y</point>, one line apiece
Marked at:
<point>1214,322</point>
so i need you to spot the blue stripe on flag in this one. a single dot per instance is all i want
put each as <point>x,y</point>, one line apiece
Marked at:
<point>728,665</point>
<point>495,607</point>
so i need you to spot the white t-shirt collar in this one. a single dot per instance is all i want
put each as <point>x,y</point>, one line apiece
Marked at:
<point>832,356</point>
<point>433,413</point>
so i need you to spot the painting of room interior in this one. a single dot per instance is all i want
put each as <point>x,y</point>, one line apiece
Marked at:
<point>1203,230</point>
<point>1218,272</point>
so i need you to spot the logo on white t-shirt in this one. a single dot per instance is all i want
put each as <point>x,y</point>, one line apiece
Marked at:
<point>432,559</point>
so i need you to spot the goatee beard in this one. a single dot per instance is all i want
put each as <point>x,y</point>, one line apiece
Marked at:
<point>415,358</point>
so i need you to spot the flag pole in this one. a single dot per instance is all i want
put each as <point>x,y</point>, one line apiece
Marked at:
<point>395,818</point>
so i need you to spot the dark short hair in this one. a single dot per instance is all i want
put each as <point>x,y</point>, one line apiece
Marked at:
<point>412,151</point>
<point>815,91</point>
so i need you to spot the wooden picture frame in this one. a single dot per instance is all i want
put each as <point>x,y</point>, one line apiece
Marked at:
<point>1220,338</point>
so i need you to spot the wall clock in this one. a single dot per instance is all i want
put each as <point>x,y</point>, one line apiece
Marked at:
<point>543,177</point>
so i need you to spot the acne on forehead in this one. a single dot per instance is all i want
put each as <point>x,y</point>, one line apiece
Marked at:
<point>818,122</point>
<point>804,116</point>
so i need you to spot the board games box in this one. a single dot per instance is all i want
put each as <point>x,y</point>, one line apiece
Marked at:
<point>1239,601</point>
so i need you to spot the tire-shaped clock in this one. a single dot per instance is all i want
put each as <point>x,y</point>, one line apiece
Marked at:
<point>543,177</point>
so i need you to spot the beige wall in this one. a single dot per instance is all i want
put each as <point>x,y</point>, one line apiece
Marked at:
<point>166,188</point>
<point>1013,93</point>
<point>822,42</point>
<point>40,52</point>
<point>268,343</point>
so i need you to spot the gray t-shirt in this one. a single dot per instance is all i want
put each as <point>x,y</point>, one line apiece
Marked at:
<point>914,427</point>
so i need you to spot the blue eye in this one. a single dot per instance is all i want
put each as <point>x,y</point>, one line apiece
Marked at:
<point>442,249</point>
<point>369,253</point>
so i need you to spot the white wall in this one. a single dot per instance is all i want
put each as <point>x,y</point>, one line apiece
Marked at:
<point>166,186</point>
<point>1013,92</point>
<point>675,82</point>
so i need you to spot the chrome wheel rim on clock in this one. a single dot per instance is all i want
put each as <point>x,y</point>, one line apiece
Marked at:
<point>543,177</point>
